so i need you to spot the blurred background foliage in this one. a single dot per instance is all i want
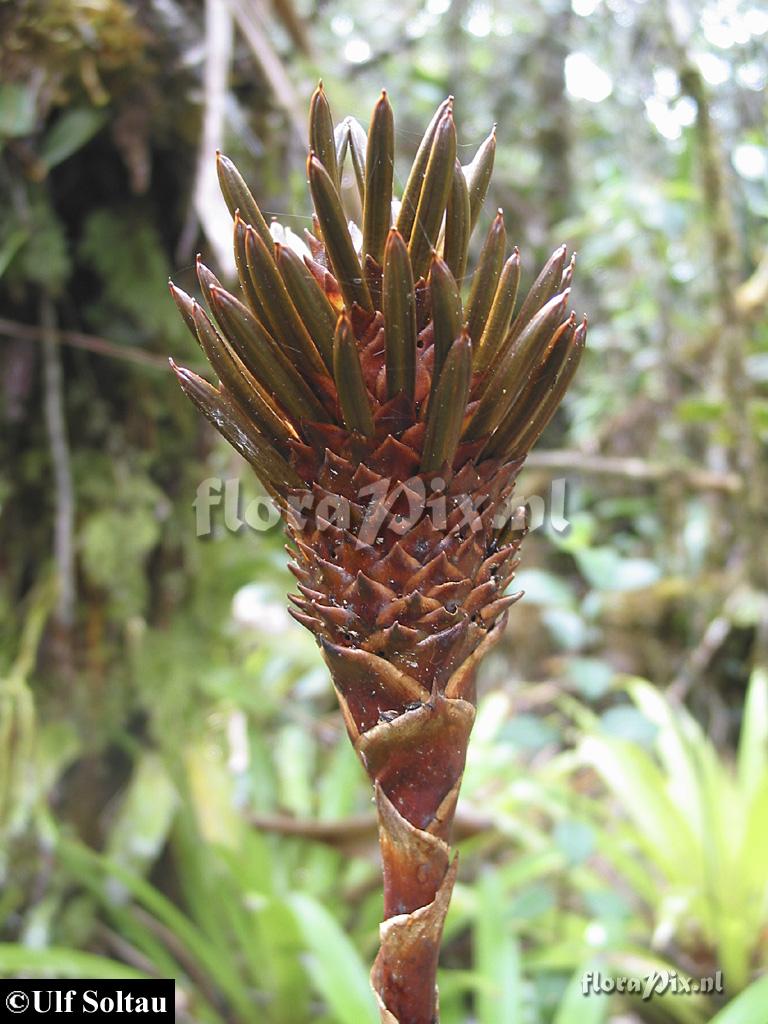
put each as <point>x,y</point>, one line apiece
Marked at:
<point>177,797</point>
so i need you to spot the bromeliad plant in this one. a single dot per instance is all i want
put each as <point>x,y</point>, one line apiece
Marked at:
<point>388,417</point>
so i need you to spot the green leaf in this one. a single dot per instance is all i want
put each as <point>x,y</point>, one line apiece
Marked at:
<point>232,423</point>
<point>238,380</point>
<point>45,257</point>
<point>70,133</point>
<point>605,569</point>
<point>94,871</point>
<point>497,955</point>
<point>544,588</point>
<point>529,732</point>
<point>758,414</point>
<point>129,258</point>
<point>296,770</point>
<point>700,410</point>
<point>57,962</point>
<point>750,1007</point>
<point>591,676</point>
<point>10,246</point>
<point>576,1005</point>
<point>753,742</point>
<point>685,756</point>
<point>17,110</point>
<point>638,783</point>
<point>645,967</point>
<point>142,823</point>
<point>575,838</point>
<point>627,723</point>
<point>334,965</point>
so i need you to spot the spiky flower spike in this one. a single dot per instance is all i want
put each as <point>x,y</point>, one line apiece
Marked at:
<point>389,418</point>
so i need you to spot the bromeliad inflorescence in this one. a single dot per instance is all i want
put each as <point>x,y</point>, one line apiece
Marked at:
<point>388,415</point>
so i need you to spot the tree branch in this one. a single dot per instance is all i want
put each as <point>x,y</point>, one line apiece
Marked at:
<point>88,342</point>
<point>251,17</point>
<point>570,462</point>
<point>64,526</point>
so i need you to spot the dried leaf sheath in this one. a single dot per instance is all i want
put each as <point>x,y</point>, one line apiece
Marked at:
<point>389,418</point>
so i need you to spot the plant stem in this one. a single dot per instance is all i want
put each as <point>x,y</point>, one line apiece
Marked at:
<point>415,761</point>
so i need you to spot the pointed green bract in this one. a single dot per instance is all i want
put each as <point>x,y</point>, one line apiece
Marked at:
<point>486,278</point>
<point>446,313</point>
<point>546,285</point>
<point>544,288</point>
<point>233,423</point>
<point>269,365</point>
<point>478,175</point>
<point>351,138</point>
<point>514,370</point>
<point>289,339</point>
<point>457,224</point>
<point>379,170</point>
<point>283,321</point>
<point>238,380</point>
<point>238,196</point>
<point>341,141</point>
<point>542,377</point>
<point>243,274</point>
<point>447,407</point>
<point>567,279</point>
<point>399,307</point>
<point>321,138</point>
<point>336,236</point>
<point>207,280</point>
<point>309,299</point>
<point>412,191</point>
<point>433,198</point>
<point>353,397</point>
<point>185,305</point>
<point>358,147</point>
<point>543,406</point>
<point>500,315</point>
